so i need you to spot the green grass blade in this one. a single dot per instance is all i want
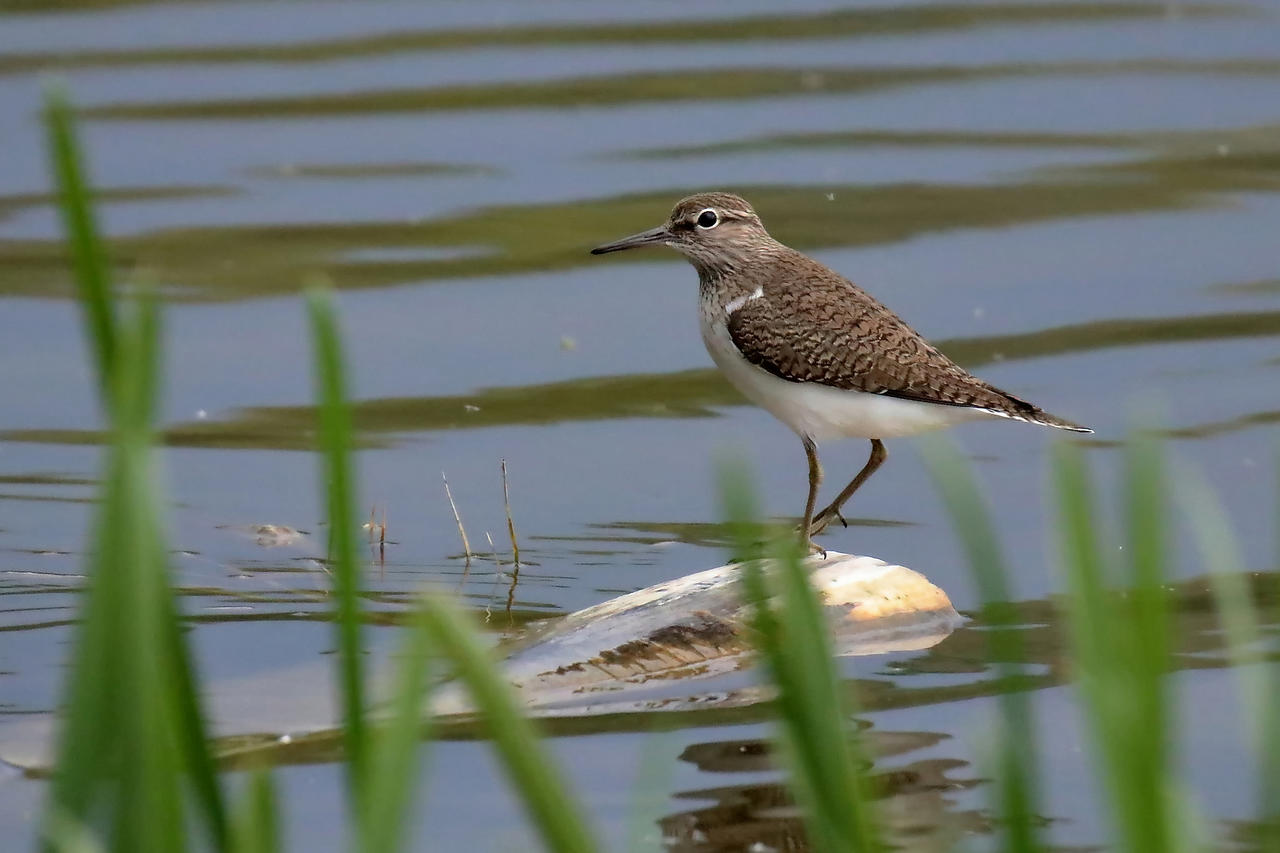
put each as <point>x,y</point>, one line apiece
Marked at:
<point>1258,680</point>
<point>64,835</point>
<point>1120,645</point>
<point>539,786</point>
<point>1150,728</point>
<point>1093,623</point>
<point>88,258</point>
<point>398,748</point>
<point>132,797</point>
<point>1269,781</point>
<point>335,440</point>
<point>193,731</point>
<point>151,807</point>
<point>86,756</point>
<point>131,730</point>
<point>1269,784</point>
<point>817,706</point>
<point>136,402</point>
<point>256,827</point>
<point>792,638</point>
<point>1018,767</point>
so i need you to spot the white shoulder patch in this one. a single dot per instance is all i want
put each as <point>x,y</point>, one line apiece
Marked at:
<point>736,303</point>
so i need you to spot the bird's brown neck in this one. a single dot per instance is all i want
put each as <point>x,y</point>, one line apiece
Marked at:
<point>736,270</point>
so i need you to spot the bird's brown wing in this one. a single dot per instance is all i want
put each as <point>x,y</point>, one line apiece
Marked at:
<point>814,326</point>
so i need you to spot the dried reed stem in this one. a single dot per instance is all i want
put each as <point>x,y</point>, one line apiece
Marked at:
<point>462,531</point>
<point>497,573</point>
<point>511,525</point>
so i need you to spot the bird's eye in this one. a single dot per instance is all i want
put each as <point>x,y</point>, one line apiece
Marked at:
<point>707,219</point>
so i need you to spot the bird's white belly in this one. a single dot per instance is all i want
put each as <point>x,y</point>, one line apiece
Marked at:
<point>823,412</point>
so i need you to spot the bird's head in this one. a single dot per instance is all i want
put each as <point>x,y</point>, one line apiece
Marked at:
<point>711,229</point>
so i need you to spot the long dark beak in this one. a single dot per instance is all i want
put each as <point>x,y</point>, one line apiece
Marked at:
<point>652,237</point>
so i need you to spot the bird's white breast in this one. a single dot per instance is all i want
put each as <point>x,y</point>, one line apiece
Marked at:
<point>820,411</point>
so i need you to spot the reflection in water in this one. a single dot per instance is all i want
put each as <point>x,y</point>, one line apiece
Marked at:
<point>848,23</point>
<point>242,586</point>
<point>369,170</point>
<point>963,657</point>
<point>655,86</point>
<point>782,142</point>
<point>17,202</point>
<point>239,261</point>
<point>915,810</point>
<point>922,802</point>
<point>689,393</point>
<point>702,534</point>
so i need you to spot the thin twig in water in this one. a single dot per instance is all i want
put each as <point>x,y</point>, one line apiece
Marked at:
<point>462,531</point>
<point>511,525</point>
<point>497,573</point>
<point>381,530</point>
<point>511,593</point>
<point>515,548</point>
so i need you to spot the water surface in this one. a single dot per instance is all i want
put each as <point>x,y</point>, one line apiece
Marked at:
<point>1078,201</point>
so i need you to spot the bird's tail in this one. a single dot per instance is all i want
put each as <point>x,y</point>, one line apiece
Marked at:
<point>1045,419</point>
<point>1020,410</point>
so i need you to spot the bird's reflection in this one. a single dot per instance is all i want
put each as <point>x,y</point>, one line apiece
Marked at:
<point>916,807</point>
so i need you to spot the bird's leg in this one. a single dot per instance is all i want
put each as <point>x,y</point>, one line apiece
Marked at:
<point>815,480</point>
<point>832,510</point>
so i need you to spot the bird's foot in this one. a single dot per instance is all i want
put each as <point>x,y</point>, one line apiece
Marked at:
<point>823,519</point>
<point>814,548</point>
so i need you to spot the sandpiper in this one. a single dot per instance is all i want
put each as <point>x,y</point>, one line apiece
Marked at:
<point>813,348</point>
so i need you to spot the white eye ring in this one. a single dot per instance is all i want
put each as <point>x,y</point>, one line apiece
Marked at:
<point>713,222</point>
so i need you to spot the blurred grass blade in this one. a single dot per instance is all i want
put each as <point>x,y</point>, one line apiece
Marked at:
<point>132,728</point>
<point>124,784</point>
<point>792,638</point>
<point>1258,679</point>
<point>532,771</point>
<point>192,730</point>
<point>151,813</point>
<point>397,749</point>
<point>256,828</point>
<point>1093,623</point>
<point>335,441</point>
<point>64,835</point>
<point>544,795</point>
<point>1120,645</point>
<point>649,792</point>
<point>1269,785</point>
<point>88,259</point>
<point>87,756</point>
<point>1018,765</point>
<point>1147,630</point>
